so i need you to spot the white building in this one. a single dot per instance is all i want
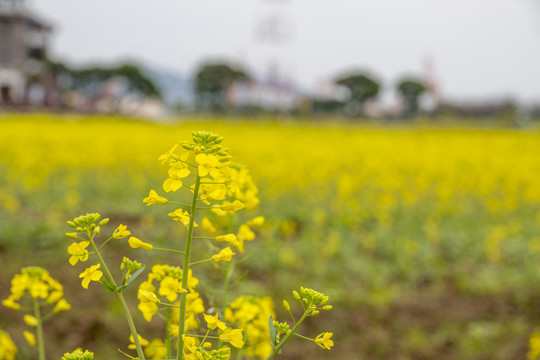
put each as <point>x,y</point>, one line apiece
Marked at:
<point>23,45</point>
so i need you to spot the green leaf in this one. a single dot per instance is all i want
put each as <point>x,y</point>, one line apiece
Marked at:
<point>134,276</point>
<point>272,332</point>
<point>110,287</point>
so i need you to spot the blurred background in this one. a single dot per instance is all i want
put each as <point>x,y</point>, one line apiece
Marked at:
<point>381,59</point>
<point>395,144</point>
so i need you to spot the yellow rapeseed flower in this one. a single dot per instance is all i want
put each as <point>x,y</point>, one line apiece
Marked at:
<point>30,320</point>
<point>234,206</point>
<point>323,340</point>
<point>208,226</point>
<point>230,238</point>
<point>176,172</point>
<point>182,216</point>
<point>224,255</point>
<point>170,287</point>
<point>256,222</point>
<point>61,305</point>
<point>213,322</point>
<point>156,349</point>
<point>10,303</point>
<point>121,232</point>
<point>136,243</point>
<point>234,337</point>
<point>90,274</point>
<point>168,155</point>
<point>245,233</point>
<point>78,252</point>
<point>148,309</point>
<point>30,338</point>
<point>147,296</point>
<point>142,341</point>
<point>8,350</point>
<point>534,346</point>
<point>207,165</point>
<point>153,199</point>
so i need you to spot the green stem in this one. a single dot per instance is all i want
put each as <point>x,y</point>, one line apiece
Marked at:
<point>120,298</point>
<point>168,305</point>
<point>200,262</point>
<point>39,330</point>
<point>178,203</point>
<point>228,271</point>
<point>240,354</point>
<point>204,339</point>
<point>185,270</point>
<point>304,337</point>
<point>106,241</point>
<point>169,250</point>
<point>168,333</point>
<point>203,336</point>
<point>277,349</point>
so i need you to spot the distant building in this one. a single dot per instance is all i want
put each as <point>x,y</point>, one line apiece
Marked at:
<point>23,47</point>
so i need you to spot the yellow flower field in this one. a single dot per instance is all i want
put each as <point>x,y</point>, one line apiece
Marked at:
<point>427,238</point>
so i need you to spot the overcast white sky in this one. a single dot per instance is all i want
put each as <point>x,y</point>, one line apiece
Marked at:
<point>479,48</point>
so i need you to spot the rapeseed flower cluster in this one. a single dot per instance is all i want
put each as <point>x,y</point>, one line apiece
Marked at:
<point>165,281</point>
<point>39,285</point>
<point>251,314</point>
<point>221,189</point>
<point>312,302</point>
<point>534,346</point>
<point>8,350</point>
<point>45,293</point>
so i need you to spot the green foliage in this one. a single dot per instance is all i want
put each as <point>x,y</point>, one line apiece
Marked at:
<point>211,82</point>
<point>80,78</point>
<point>410,90</point>
<point>361,86</point>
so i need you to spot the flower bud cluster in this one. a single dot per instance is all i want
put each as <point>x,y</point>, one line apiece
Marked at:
<point>128,267</point>
<point>86,222</point>
<point>78,355</point>
<point>281,329</point>
<point>222,354</point>
<point>310,296</point>
<point>207,143</point>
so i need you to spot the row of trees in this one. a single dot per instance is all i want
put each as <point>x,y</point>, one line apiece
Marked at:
<point>212,81</point>
<point>82,79</point>
<point>362,87</point>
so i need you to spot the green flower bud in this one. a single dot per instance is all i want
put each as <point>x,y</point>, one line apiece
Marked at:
<point>104,222</point>
<point>327,307</point>
<point>96,230</point>
<point>94,217</point>
<point>296,295</point>
<point>187,145</point>
<point>71,235</point>
<point>71,223</point>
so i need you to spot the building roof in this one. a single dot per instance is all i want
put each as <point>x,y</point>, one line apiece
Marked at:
<point>25,15</point>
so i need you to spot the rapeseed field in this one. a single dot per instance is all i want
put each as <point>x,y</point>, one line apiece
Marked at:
<point>427,238</point>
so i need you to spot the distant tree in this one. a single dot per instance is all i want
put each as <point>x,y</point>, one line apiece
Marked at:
<point>212,81</point>
<point>137,81</point>
<point>410,90</point>
<point>361,87</point>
